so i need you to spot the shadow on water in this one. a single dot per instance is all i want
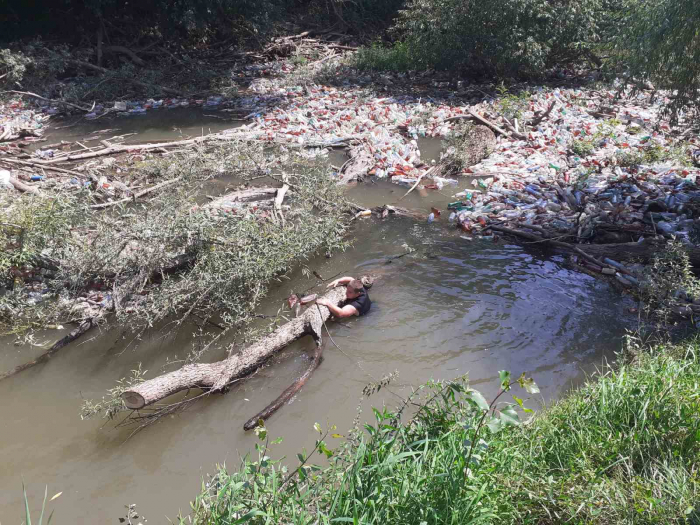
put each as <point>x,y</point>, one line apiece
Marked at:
<point>451,307</point>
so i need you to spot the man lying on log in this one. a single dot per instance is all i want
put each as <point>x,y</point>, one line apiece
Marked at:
<point>357,299</point>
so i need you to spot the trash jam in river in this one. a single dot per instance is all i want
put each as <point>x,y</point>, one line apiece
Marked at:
<point>573,167</point>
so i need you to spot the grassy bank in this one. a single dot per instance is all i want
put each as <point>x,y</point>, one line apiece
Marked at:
<point>621,449</point>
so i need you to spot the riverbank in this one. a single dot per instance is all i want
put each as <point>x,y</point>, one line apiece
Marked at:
<point>622,448</point>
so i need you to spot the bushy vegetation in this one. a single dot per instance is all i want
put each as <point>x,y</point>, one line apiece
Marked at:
<point>659,43</point>
<point>195,22</point>
<point>222,262</point>
<point>621,449</point>
<point>515,38</point>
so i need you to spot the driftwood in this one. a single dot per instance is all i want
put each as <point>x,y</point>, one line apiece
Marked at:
<point>82,328</point>
<point>537,120</point>
<point>28,93</point>
<point>214,377</point>
<point>123,51</point>
<point>21,186</point>
<point>136,195</point>
<point>626,251</point>
<point>103,70</point>
<point>356,168</point>
<point>289,392</point>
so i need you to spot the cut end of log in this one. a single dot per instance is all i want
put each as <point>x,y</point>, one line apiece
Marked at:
<point>133,400</point>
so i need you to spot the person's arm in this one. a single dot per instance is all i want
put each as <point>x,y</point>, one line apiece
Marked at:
<point>341,281</point>
<point>346,311</point>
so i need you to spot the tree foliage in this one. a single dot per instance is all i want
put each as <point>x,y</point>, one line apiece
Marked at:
<point>513,38</point>
<point>660,43</point>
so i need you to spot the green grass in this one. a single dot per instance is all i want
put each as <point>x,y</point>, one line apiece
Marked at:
<point>622,449</point>
<point>379,58</point>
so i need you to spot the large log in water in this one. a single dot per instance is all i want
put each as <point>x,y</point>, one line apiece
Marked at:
<point>216,376</point>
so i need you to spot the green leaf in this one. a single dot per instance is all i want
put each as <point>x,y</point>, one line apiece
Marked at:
<point>528,384</point>
<point>301,457</point>
<point>27,518</point>
<point>504,376</point>
<point>249,516</point>
<point>337,436</point>
<point>478,399</point>
<point>495,425</point>
<point>317,428</point>
<point>510,417</point>
<point>518,401</point>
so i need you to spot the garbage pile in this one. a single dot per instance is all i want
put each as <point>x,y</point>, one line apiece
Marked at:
<point>19,121</point>
<point>595,180</point>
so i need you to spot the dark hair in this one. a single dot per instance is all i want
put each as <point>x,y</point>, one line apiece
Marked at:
<point>356,286</point>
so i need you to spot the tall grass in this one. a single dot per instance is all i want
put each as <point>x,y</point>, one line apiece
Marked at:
<point>621,449</point>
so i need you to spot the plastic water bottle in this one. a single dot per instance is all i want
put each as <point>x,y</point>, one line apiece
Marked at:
<point>431,217</point>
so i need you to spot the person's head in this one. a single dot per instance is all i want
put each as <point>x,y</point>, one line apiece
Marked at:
<point>354,289</point>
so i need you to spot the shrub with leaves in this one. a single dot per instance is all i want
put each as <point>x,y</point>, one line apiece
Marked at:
<point>513,38</point>
<point>668,279</point>
<point>659,43</point>
<point>172,257</point>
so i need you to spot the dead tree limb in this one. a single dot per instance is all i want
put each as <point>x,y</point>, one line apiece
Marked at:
<point>43,166</point>
<point>214,377</point>
<point>82,328</point>
<point>544,115</point>
<point>136,195</point>
<point>289,391</point>
<point>102,70</point>
<point>21,186</point>
<point>625,251</point>
<point>53,101</point>
<point>124,51</point>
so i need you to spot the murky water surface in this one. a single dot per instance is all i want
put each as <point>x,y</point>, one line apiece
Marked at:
<point>452,307</point>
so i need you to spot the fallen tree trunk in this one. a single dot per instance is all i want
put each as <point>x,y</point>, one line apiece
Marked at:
<point>216,376</point>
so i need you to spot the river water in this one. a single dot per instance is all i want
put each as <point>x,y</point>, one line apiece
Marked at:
<point>453,306</point>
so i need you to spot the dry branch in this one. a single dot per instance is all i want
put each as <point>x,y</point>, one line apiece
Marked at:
<point>82,328</point>
<point>132,80</point>
<point>53,101</point>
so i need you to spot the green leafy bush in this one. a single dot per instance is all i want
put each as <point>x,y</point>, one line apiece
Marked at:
<point>622,449</point>
<point>506,38</point>
<point>659,43</point>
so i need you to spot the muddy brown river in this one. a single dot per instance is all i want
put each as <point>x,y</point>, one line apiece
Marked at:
<point>452,307</point>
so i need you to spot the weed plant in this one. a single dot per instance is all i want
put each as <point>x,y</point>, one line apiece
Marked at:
<point>620,449</point>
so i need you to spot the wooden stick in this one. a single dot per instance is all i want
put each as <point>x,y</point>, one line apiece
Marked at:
<point>75,334</point>
<point>81,108</point>
<point>495,127</point>
<point>544,115</point>
<point>417,182</point>
<point>280,197</point>
<point>560,244</point>
<point>136,195</point>
<point>288,393</point>
<point>36,165</point>
<point>131,79</point>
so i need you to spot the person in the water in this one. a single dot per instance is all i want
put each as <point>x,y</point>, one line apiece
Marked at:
<point>357,300</point>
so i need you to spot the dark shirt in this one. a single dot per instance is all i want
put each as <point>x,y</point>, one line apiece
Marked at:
<point>362,303</point>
